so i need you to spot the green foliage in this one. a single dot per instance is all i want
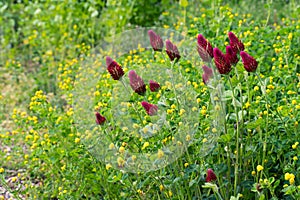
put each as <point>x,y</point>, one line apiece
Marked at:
<point>45,44</point>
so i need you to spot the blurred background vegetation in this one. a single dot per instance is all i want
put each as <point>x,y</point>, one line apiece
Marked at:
<point>37,36</point>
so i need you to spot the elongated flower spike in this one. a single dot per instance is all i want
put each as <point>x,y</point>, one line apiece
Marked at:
<point>172,50</point>
<point>155,41</point>
<point>210,176</point>
<point>114,68</point>
<point>204,49</point>
<point>221,62</point>
<point>136,82</point>
<point>235,43</point>
<point>99,118</point>
<point>154,86</point>
<point>250,64</point>
<point>151,109</point>
<point>231,56</point>
<point>208,73</point>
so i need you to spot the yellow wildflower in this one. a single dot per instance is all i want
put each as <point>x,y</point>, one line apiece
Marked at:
<point>259,168</point>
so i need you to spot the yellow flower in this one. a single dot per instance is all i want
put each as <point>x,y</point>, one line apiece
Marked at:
<point>14,179</point>
<point>161,187</point>
<point>145,145</point>
<point>259,168</point>
<point>294,146</point>
<point>253,173</point>
<point>63,168</point>
<point>187,137</point>
<point>291,92</point>
<point>186,164</point>
<point>120,161</point>
<point>1,170</point>
<point>295,158</point>
<point>133,157</point>
<point>111,146</point>
<point>160,153</point>
<point>182,111</point>
<point>247,105</point>
<point>169,111</point>
<point>121,149</point>
<point>203,112</point>
<point>290,36</point>
<point>292,180</point>
<point>108,166</point>
<point>288,176</point>
<point>170,194</point>
<point>77,140</point>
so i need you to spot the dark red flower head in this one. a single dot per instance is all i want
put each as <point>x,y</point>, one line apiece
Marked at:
<point>221,62</point>
<point>114,68</point>
<point>208,73</point>
<point>204,49</point>
<point>151,109</point>
<point>155,41</point>
<point>172,50</point>
<point>99,118</point>
<point>231,56</point>
<point>136,82</point>
<point>210,176</point>
<point>154,86</point>
<point>250,64</point>
<point>235,43</point>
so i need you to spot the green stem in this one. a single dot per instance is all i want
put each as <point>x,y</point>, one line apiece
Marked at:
<point>241,121</point>
<point>173,82</point>
<point>267,124</point>
<point>221,118</point>
<point>217,85</point>
<point>236,164</point>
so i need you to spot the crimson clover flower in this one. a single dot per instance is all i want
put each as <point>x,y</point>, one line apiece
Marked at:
<point>208,73</point>
<point>99,118</point>
<point>136,82</point>
<point>250,64</point>
<point>235,43</point>
<point>231,56</point>
<point>172,50</point>
<point>221,62</point>
<point>155,41</point>
<point>154,86</point>
<point>151,109</point>
<point>210,176</point>
<point>204,49</point>
<point>114,68</point>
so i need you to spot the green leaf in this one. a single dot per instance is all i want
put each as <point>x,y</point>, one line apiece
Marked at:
<point>262,197</point>
<point>227,95</point>
<point>225,138</point>
<point>255,124</point>
<point>192,182</point>
<point>276,183</point>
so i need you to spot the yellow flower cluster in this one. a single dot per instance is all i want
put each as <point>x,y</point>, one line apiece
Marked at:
<point>290,177</point>
<point>65,80</point>
<point>37,99</point>
<point>294,146</point>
